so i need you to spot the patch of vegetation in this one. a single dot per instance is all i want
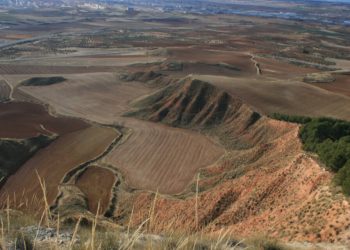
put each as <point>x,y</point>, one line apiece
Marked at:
<point>330,139</point>
<point>291,118</point>
<point>15,153</point>
<point>265,243</point>
<point>43,81</point>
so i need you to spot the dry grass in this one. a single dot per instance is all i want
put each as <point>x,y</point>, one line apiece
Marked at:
<point>95,236</point>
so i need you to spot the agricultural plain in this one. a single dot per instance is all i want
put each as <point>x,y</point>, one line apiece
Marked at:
<point>174,111</point>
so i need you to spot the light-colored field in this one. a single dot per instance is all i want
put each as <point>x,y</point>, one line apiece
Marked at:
<point>96,183</point>
<point>158,157</point>
<point>155,157</point>
<point>100,97</point>
<point>282,96</point>
<point>241,60</point>
<point>54,161</point>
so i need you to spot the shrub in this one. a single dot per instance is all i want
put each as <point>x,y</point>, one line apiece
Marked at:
<point>330,139</point>
<point>291,118</point>
<point>343,178</point>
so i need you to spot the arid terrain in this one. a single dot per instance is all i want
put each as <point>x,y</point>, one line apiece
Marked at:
<point>172,116</point>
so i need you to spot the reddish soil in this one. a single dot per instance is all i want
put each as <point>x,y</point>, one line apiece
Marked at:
<point>23,120</point>
<point>53,162</point>
<point>264,184</point>
<point>17,36</point>
<point>283,192</point>
<point>96,183</point>
<point>155,156</point>
<point>340,86</point>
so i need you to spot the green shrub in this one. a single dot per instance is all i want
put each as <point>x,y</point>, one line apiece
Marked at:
<point>343,178</point>
<point>291,118</point>
<point>330,139</point>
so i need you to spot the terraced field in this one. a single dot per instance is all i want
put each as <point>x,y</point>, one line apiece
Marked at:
<point>158,157</point>
<point>53,162</point>
<point>155,156</point>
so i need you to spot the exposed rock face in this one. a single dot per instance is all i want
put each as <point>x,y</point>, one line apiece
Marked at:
<point>265,183</point>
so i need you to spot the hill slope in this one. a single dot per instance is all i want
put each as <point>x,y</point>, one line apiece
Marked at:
<point>265,183</point>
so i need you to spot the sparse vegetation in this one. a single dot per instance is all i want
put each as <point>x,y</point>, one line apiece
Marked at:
<point>291,118</point>
<point>330,139</point>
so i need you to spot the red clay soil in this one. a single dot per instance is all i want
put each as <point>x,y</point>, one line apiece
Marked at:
<point>269,186</point>
<point>23,120</point>
<point>53,162</point>
<point>96,183</point>
<point>155,156</point>
<point>283,193</point>
<point>341,85</point>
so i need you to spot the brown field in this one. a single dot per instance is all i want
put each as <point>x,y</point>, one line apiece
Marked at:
<point>17,36</point>
<point>23,120</point>
<point>241,60</point>
<point>100,97</point>
<point>54,161</point>
<point>341,85</point>
<point>160,158</point>
<point>96,183</point>
<point>282,70</point>
<point>13,69</point>
<point>80,64</point>
<point>254,177</point>
<point>152,150</point>
<point>281,96</point>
